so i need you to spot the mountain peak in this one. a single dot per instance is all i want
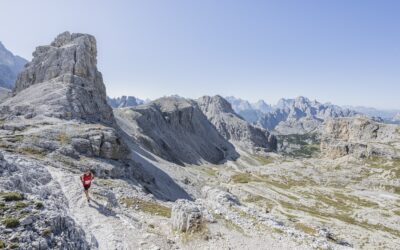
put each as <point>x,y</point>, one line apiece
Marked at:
<point>62,80</point>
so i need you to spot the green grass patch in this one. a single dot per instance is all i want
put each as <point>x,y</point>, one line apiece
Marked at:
<point>305,228</point>
<point>147,206</point>
<point>264,160</point>
<point>20,205</point>
<point>211,171</point>
<point>14,246</point>
<point>11,222</point>
<point>243,178</point>
<point>12,196</point>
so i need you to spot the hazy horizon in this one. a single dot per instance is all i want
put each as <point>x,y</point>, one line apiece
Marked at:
<point>342,52</point>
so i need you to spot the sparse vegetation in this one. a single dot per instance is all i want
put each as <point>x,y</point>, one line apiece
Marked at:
<point>12,196</point>
<point>20,205</point>
<point>229,223</point>
<point>31,151</point>
<point>11,222</point>
<point>63,138</point>
<point>47,232</point>
<point>243,178</point>
<point>147,206</point>
<point>211,171</point>
<point>306,229</point>
<point>263,159</point>
<point>39,205</point>
<point>14,246</point>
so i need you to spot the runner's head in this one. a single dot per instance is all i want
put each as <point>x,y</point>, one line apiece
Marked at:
<point>88,171</point>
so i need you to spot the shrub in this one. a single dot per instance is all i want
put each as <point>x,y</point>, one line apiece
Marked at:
<point>46,232</point>
<point>39,205</point>
<point>14,246</point>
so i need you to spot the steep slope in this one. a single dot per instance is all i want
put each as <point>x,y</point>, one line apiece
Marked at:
<point>124,101</point>
<point>62,81</point>
<point>175,129</point>
<point>232,127</point>
<point>10,66</point>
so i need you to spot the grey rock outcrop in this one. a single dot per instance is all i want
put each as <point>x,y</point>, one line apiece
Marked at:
<point>233,127</point>
<point>124,101</point>
<point>360,137</point>
<point>62,81</point>
<point>186,216</point>
<point>175,129</point>
<point>10,66</point>
<point>47,226</point>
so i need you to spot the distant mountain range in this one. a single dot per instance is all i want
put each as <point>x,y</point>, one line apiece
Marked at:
<point>301,115</point>
<point>124,101</point>
<point>10,66</point>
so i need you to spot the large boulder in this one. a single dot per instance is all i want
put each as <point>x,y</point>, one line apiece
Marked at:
<point>62,81</point>
<point>186,216</point>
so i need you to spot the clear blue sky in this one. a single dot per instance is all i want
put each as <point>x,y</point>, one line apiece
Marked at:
<point>342,51</point>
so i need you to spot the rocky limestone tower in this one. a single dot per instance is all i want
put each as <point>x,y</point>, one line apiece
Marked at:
<point>62,81</point>
<point>233,127</point>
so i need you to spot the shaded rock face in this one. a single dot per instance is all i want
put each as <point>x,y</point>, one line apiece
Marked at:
<point>360,137</point>
<point>175,129</point>
<point>233,127</point>
<point>186,216</point>
<point>124,101</point>
<point>62,81</point>
<point>10,66</point>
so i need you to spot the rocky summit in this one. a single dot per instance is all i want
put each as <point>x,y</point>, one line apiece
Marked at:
<point>233,127</point>
<point>62,81</point>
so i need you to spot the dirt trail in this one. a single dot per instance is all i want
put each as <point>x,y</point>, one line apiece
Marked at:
<point>104,228</point>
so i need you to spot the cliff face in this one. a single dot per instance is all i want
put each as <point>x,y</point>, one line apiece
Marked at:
<point>361,137</point>
<point>176,130</point>
<point>233,127</point>
<point>62,81</point>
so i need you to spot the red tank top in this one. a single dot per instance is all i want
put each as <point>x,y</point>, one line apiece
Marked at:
<point>87,179</point>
